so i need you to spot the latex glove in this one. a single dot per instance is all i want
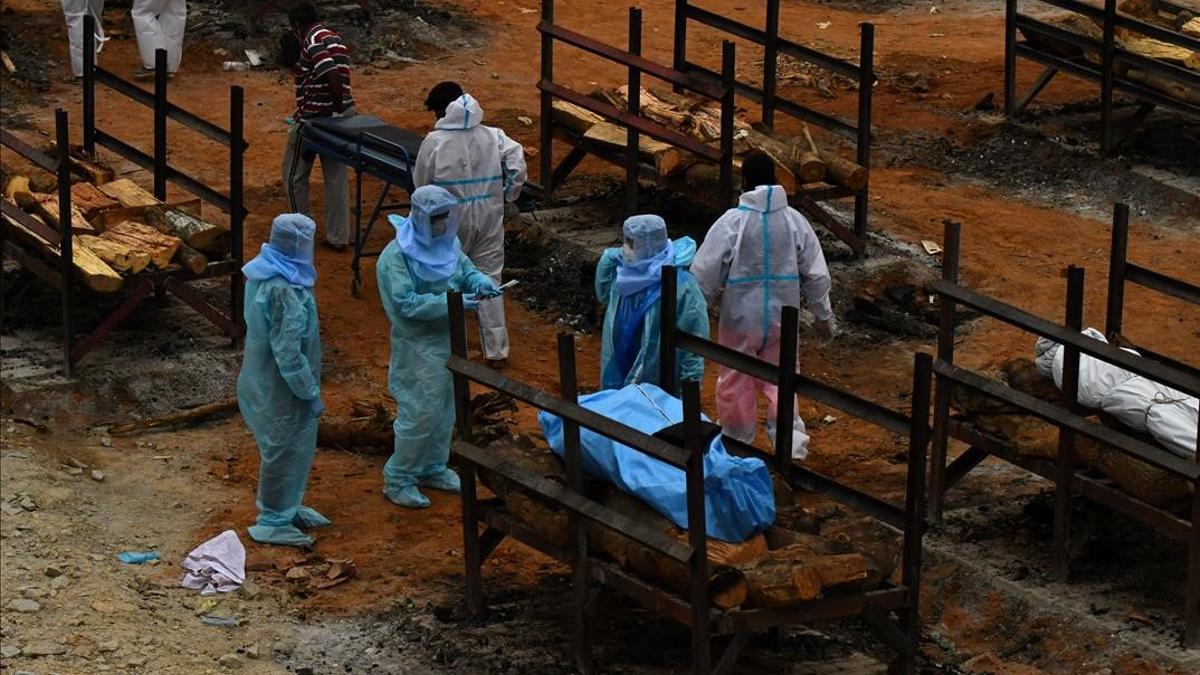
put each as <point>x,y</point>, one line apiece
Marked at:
<point>510,210</point>
<point>824,330</point>
<point>316,408</point>
<point>470,302</point>
<point>489,291</point>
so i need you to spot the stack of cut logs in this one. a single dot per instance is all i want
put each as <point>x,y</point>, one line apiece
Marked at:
<point>119,228</point>
<point>799,161</point>
<point>1184,23</point>
<point>777,569</point>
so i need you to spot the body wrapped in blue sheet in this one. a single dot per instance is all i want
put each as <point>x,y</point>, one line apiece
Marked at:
<point>739,499</point>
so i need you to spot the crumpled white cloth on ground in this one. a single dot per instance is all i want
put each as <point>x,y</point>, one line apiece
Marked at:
<point>217,565</point>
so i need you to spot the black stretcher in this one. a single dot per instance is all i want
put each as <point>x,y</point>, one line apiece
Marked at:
<point>372,147</point>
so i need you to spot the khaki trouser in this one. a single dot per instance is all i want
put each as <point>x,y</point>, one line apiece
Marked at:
<point>296,171</point>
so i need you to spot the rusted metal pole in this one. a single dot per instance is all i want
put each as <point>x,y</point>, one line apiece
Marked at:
<point>1065,468</point>
<point>1107,66</point>
<point>729,82</point>
<point>89,84</point>
<point>1010,57</point>
<point>66,260</point>
<point>914,504</point>
<point>1116,270</point>
<point>160,125</point>
<point>573,454</point>
<point>237,209</point>
<point>785,413</point>
<point>472,555</point>
<point>697,529</point>
<point>866,85</point>
<point>632,137</point>
<point>945,352</point>
<point>667,326</point>
<point>547,103</point>
<point>770,64</point>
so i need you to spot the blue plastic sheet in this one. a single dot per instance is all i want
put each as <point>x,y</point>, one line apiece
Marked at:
<point>739,499</point>
<point>137,557</point>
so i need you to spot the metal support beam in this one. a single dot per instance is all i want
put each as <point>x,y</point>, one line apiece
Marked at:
<point>573,454</point>
<point>668,330</point>
<point>632,140</point>
<point>1065,465</point>
<point>697,529</point>
<point>951,238</point>
<point>1115,310</point>
<point>66,257</point>
<point>160,125</point>
<point>866,84</point>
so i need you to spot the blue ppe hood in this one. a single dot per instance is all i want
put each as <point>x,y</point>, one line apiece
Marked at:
<point>430,243</point>
<point>288,254</point>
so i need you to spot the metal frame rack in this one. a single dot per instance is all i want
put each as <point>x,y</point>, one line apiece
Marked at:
<point>1122,272</point>
<point>1069,479</point>
<point>766,94</point>
<point>632,120</point>
<point>163,109</point>
<point>1058,49</point>
<point>694,611</point>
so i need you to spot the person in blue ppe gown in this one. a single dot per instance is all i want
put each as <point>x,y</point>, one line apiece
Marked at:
<point>414,272</point>
<point>629,279</point>
<point>279,386</point>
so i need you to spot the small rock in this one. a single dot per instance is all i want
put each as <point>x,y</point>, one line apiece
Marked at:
<point>106,441</point>
<point>297,574</point>
<point>59,583</point>
<point>109,646</point>
<point>98,475</point>
<point>252,651</point>
<point>27,503</point>
<point>74,471</point>
<point>250,590</point>
<point>44,648</point>
<point>10,651</point>
<point>368,71</point>
<point>230,661</point>
<point>137,661</point>
<point>54,571</point>
<point>23,605</point>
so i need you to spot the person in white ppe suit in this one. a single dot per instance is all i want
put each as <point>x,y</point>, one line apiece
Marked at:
<point>764,255</point>
<point>485,170</point>
<point>74,11</point>
<point>159,24</point>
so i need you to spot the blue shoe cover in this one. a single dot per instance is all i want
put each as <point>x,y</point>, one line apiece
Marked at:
<point>309,518</point>
<point>446,480</point>
<point>409,497</point>
<point>286,535</point>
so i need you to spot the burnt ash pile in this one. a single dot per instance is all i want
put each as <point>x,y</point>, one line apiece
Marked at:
<point>1059,168</point>
<point>379,33</point>
<point>555,277</point>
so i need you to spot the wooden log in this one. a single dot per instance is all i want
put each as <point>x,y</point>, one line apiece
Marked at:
<point>194,232</point>
<point>95,171</point>
<point>571,116</point>
<point>1191,27</point>
<point>90,200</point>
<point>801,162</point>
<point>706,177</point>
<point>128,193</point>
<point>666,158</point>
<point>17,190</point>
<point>795,574</point>
<point>195,415</point>
<point>162,248</point>
<point>838,170</point>
<point>47,207</point>
<point>90,269</point>
<point>191,259</point>
<point>117,255</point>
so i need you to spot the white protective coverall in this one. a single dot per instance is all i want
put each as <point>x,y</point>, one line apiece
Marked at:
<point>74,11</point>
<point>159,24</point>
<point>1168,415</point>
<point>764,254</point>
<point>483,168</point>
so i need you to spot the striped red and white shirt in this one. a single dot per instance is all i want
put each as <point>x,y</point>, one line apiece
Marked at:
<point>321,52</point>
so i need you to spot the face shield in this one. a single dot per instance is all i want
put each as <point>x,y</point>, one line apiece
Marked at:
<point>645,238</point>
<point>292,235</point>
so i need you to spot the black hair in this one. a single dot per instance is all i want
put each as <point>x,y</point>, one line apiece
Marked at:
<point>442,95</point>
<point>289,49</point>
<point>303,15</point>
<point>757,169</point>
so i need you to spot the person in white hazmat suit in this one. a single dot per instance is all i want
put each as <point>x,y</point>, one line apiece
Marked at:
<point>74,11</point>
<point>763,254</point>
<point>485,170</point>
<point>159,24</point>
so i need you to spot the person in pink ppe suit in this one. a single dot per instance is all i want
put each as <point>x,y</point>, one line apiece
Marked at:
<point>763,254</point>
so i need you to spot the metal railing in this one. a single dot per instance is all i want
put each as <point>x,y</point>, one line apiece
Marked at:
<point>1069,479</point>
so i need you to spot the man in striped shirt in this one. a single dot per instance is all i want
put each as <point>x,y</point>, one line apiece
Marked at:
<point>322,90</point>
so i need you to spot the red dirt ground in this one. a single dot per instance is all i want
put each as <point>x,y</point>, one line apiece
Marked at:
<point>1011,249</point>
